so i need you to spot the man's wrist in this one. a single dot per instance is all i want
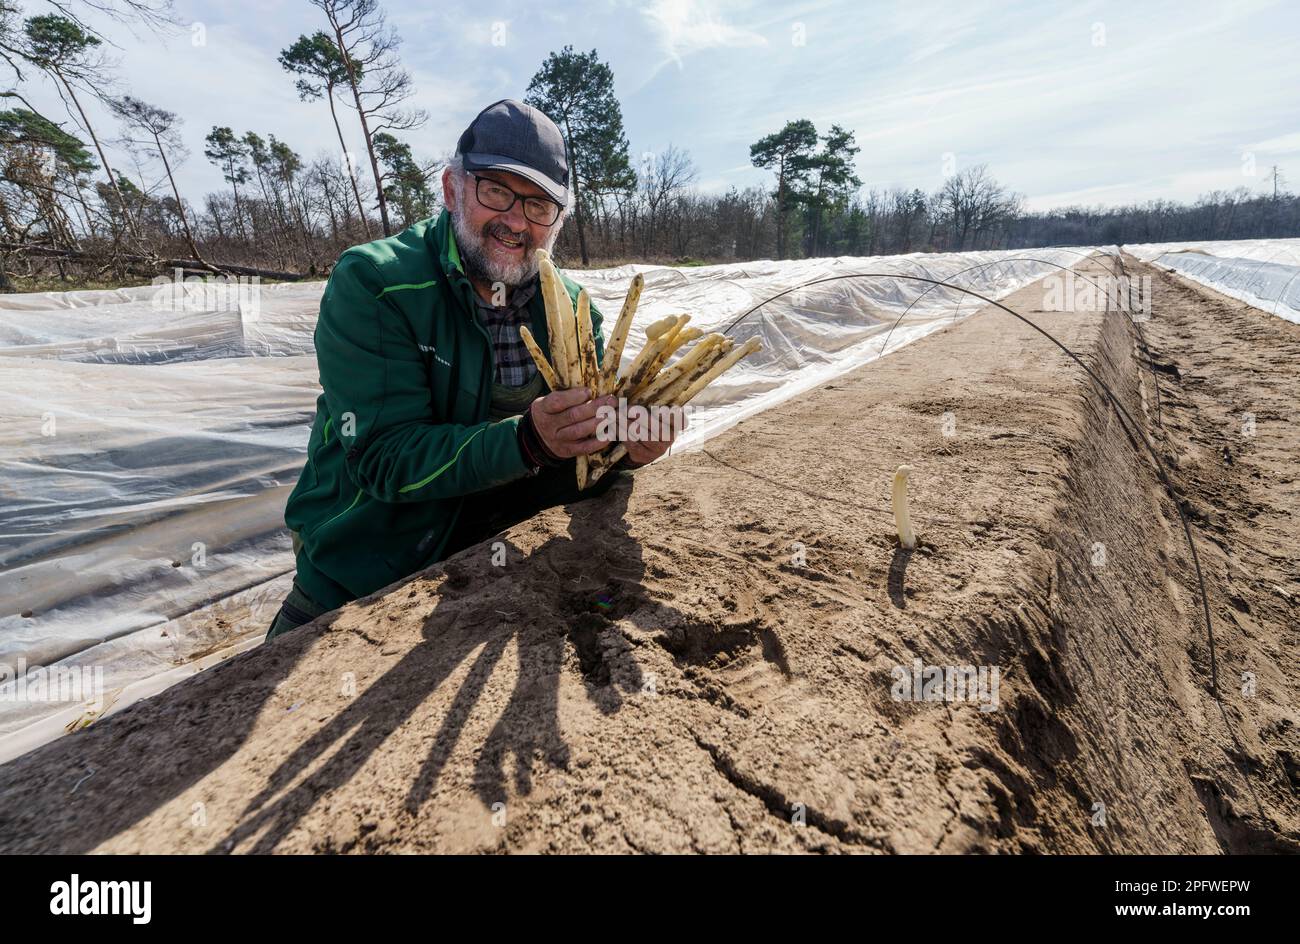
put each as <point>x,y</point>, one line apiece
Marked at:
<point>534,452</point>
<point>627,461</point>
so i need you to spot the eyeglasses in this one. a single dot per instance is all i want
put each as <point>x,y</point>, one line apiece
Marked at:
<point>499,197</point>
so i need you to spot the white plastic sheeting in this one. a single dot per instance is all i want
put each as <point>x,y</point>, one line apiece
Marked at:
<point>818,332</point>
<point>153,436</point>
<point>1264,273</point>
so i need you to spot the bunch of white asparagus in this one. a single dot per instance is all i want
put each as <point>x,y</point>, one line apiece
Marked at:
<point>649,382</point>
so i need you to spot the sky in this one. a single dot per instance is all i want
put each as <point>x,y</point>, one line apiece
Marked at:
<point>1095,103</point>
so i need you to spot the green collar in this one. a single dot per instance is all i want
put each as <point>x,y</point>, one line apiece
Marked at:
<point>442,245</point>
<point>444,249</point>
<point>453,251</point>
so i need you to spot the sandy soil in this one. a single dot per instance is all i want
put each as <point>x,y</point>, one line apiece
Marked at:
<point>701,660</point>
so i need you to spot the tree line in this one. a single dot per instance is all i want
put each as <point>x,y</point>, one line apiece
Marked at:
<point>67,206</point>
<point>817,206</point>
<point>64,203</point>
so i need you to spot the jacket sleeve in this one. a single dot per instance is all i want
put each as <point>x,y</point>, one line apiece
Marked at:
<point>378,396</point>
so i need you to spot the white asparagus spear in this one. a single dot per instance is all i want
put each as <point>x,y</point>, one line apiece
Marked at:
<point>577,373</point>
<point>716,353</point>
<point>684,366</point>
<point>554,322</point>
<point>618,338</point>
<point>641,366</point>
<point>710,354</point>
<point>572,349</point>
<point>587,345</point>
<point>546,370</point>
<point>585,348</point>
<point>681,399</point>
<point>725,364</point>
<point>906,538</point>
<point>654,332</point>
<point>652,373</point>
<point>562,325</point>
<point>656,328</point>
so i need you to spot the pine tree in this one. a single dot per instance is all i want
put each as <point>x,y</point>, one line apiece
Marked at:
<point>576,91</point>
<point>788,153</point>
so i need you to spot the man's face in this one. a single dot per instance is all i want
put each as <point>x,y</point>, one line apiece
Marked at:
<point>496,246</point>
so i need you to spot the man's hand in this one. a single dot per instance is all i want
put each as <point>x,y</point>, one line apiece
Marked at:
<point>642,450</point>
<point>566,422</point>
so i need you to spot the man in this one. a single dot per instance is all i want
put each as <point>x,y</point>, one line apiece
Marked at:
<point>435,429</point>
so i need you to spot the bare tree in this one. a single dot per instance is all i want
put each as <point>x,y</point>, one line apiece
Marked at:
<point>318,58</point>
<point>379,85</point>
<point>261,158</point>
<point>155,14</point>
<point>159,126</point>
<point>973,202</point>
<point>663,178</point>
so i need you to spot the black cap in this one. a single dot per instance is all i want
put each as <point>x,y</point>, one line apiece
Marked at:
<point>511,136</point>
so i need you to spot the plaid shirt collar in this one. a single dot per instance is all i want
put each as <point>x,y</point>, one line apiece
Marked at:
<point>514,365</point>
<point>519,298</point>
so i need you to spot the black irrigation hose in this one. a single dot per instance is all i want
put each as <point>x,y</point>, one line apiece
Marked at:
<point>1155,378</point>
<point>1131,428</point>
<point>1118,263</point>
<point>1083,255</point>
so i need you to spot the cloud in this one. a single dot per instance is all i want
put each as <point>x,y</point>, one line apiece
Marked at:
<point>1161,110</point>
<point>1283,144</point>
<point>231,76</point>
<point>685,27</point>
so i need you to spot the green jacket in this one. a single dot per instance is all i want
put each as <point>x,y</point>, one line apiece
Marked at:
<point>401,431</point>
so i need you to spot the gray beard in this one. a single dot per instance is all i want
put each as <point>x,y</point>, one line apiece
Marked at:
<point>479,265</point>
